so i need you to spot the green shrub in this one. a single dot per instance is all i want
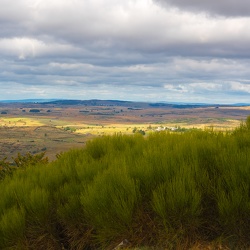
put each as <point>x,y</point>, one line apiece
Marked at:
<point>233,196</point>
<point>178,201</point>
<point>5,168</point>
<point>12,228</point>
<point>109,202</point>
<point>165,188</point>
<point>30,159</point>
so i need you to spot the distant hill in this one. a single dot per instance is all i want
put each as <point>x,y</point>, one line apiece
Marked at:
<point>241,104</point>
<point>96,102</point>
<point>28,101</point>
<point>132,104</point>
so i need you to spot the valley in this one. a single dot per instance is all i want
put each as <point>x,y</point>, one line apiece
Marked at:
<point>58,126</point>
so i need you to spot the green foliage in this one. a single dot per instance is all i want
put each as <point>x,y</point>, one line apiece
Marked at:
<point>4,163</point>
<point>30,160</point>
<point>5,168</point>
<point>21,161</point>
<point>178,201</point>
<point>164,189</point>
<point>34,110</point>
<point>12,227</point>
<point>109,202</point>
<point>248,123</point>
<point>70,129</point>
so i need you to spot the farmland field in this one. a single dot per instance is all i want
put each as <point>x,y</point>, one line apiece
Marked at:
<point>57,127</point>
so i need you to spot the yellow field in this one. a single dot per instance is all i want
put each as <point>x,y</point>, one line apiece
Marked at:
<point>128,128</point>
<point>228,125</point>
<point>110,129</point>
<point>20,122</point>
<point>83,128</point>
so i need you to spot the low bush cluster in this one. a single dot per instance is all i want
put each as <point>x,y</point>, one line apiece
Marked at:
<point>167,190</point>
<point>21,161</point>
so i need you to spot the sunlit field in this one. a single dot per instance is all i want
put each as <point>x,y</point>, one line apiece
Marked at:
<point>220,124</point>
<point>57,128</point>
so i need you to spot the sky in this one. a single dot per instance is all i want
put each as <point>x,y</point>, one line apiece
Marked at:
<point>139,50</point>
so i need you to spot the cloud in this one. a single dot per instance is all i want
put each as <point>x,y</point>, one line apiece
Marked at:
<point>126,31</point>
<point>133,49</point>
<point>213,7</point>
<point>240,87</point>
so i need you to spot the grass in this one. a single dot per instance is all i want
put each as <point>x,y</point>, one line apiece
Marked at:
<point>164,190</point>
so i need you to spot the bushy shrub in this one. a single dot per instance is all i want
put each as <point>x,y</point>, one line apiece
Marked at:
<point>178,201</point>
<point>21,161</point>
<point>12,228</point>
<point>109,203</point>
<point>164,189</point>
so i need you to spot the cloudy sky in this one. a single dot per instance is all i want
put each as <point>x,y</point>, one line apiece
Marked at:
<point>141,50</point>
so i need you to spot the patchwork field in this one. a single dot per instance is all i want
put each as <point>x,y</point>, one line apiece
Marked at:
<point>57,127</point>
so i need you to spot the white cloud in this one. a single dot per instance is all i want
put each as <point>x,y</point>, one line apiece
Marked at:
<point>206,86</point>
<point>240,87</point>
<point>23,48</point>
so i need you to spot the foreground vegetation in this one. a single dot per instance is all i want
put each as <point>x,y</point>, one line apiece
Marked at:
<point>167,190</point>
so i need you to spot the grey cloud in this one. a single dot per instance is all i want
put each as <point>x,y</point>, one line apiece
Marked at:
<point>116,32</point>
<point>214,7</point>
<point>15,18</point>
<point>125,49</point>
